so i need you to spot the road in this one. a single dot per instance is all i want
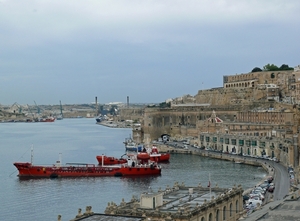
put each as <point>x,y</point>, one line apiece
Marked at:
<point>281,179</point>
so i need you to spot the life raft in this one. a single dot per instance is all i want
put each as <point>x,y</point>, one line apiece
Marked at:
<point>143,156</point>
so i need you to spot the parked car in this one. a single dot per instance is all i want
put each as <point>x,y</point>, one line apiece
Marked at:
<point>265,186</point>
<point>259,195</point>
<point>260,189</point>
<point>270,179</point>
<point>271,189</point>
<point>255,201</point>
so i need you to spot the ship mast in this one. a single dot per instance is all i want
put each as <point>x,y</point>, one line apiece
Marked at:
<point>31,158</point>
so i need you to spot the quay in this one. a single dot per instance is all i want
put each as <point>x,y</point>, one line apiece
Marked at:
<point>205,203</point>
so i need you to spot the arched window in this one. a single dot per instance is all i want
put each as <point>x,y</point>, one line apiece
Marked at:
<point>217,215</point>
<point>237,206</point>
<point>230,209</point>
<point>224,213</point>
<point>202,219</point>
<point>210,217</point>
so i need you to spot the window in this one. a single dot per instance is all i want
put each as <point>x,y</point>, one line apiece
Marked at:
<point>241,142</point>
<point>226,140</point>
<point>230,209</point>
<point>224,213</point>
<point>210,217</point>
<point>248,143</point>
<point>254,143</point>
<point>233,141</point>
<point>202,137</point>
<point>262,144</point>
<point>217,215</point>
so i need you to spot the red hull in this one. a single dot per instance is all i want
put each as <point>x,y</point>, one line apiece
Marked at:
<point>47,120</point>
<point>86,170</point>
<point>156,157</point>
<point>161,157</point>
<point>110,160</point>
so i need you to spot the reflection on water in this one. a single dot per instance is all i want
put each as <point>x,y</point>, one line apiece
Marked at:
<point>80,140</point>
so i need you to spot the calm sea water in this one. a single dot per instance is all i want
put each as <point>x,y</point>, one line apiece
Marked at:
<point>80,140</point>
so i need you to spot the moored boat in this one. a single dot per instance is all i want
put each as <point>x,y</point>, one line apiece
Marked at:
<point>131,145</point>
<point>132,167</point>
<point>47,119</point>
<point>155,155</point>
<point>110,160</point>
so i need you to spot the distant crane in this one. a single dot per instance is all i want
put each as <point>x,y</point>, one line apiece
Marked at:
<point>61,116</point>
<point>38,108</point>
<point>61,109</point>
<point>32,114</point>
<point>18,106</point>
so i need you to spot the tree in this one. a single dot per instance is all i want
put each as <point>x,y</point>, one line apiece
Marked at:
<point>271,67</point>
<point>256,69</point>
<point>165,105</point>
<point>285,67</point>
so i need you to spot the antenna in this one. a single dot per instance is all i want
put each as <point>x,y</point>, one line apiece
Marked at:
<point>31,158</point>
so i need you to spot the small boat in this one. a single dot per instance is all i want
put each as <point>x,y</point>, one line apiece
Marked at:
<point>99,119</point>
<point>59,117</point>
<point>154,155</point>
<point>110,160</point>
<point>47,119</point>
<point>131,145</point>
<point>132,167</point>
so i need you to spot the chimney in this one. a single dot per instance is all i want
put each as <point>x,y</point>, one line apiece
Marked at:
<point>127,101</point>
<point>96,107</point>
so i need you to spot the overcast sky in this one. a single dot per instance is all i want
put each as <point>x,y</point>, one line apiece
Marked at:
<point>149,50</point>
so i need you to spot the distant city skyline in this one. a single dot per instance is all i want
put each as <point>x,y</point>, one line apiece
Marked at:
<point>148,50</point>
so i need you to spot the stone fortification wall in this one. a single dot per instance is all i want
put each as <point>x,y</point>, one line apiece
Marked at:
<point>181,121</point>
<point>135,114</point>
<point>230,96</point>
<point>263,77</point>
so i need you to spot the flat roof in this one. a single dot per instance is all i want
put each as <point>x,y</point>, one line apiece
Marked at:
<point>104,217</point>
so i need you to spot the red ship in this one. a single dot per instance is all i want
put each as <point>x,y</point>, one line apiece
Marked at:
<point>158,157</point>
<point>145,156</point>
<point>132,167</point>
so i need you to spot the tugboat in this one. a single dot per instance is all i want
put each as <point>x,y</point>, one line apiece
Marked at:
<point>150,154</point>
<point>153,155</point>
<point>132,167</point>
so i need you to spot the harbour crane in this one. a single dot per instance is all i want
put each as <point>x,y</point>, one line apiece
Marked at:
<point>38,108</point>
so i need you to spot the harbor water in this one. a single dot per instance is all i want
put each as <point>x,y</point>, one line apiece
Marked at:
<point>80,141</point>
